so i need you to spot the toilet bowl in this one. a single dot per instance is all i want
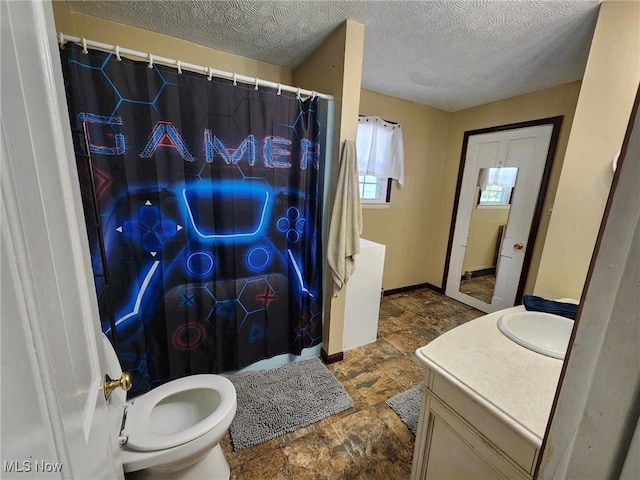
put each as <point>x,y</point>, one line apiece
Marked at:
<point>173,431</point>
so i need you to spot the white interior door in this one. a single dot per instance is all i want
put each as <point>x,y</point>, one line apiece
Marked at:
<point>52,368</point>
<point>525,149</point>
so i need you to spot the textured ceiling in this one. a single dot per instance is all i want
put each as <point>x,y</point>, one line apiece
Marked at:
<point>448,54</point>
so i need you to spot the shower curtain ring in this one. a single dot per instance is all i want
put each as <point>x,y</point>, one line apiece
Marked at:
<point>210,71</point>
<point>313,94</point>
<point>84,45</point>
<point>61,39</point>
<point>256,87</point>
<point>118,53</point>
<point>150,60</point>
<point>179,68</point>
<point>235,80</point>
<point>298,93</point>
<point>279,92</point>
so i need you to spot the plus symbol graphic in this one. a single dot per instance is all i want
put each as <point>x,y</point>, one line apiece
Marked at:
<point>266,297</point>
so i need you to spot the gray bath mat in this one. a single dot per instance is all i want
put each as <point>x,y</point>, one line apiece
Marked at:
<point>407,406</point>
<point>281,400</point>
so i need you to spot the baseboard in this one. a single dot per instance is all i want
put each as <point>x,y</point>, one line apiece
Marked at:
<point>393,291</point>
<point>333,358</point>
<point>480,273</point>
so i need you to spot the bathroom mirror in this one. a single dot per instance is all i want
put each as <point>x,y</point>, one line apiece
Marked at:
<point>489,216</point>
<point>501,184</point>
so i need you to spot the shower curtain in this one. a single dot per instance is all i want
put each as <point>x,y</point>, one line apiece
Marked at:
<point>207,198</point>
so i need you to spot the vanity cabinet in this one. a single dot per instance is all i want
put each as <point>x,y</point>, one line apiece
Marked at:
<point>362,296</point>
<point>449,446</point>
<point>485,405</point>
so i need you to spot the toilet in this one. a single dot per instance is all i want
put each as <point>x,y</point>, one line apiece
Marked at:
<point>173,431</point>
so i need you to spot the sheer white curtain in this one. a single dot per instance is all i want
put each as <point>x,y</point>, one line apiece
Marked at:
<point>498,176</point>
<point>380,149</point>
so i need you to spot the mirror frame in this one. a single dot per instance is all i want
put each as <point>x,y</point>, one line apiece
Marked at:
<point>542,195</point>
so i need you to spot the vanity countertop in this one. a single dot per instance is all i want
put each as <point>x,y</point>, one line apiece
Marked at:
<point>512,382</point>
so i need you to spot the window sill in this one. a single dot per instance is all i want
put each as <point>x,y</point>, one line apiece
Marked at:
<point>493,207</point>
<point>374,205</point>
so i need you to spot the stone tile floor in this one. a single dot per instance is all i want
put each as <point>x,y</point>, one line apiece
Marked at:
<point>367,441</point>
<point>479,287</point>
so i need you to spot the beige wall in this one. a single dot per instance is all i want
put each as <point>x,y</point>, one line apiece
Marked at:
<point>608,90</point>
<point>565,241</point>
<point>80,25</point>
<point>336,68</point>
<point>551,102</point>
<point>581,175</point>
<point>407,226</point>
<point>484,229</point>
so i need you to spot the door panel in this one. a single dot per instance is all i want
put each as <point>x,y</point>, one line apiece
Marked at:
<point>43,222</point>
<point>452,458</point>
<point>525,149</point>
<point>485,155</point>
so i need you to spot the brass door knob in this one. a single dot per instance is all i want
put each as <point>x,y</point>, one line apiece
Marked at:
<point>519,246</point>
<point>124,382</point>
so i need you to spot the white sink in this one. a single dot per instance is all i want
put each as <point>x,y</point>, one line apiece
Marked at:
<point>541,332</point>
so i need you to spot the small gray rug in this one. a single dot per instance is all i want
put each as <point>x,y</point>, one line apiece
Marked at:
<point>407,406</point>
<point>280,400</point>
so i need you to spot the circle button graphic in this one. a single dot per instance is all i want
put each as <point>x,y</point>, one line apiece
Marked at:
<point>258,258</point>
<point>200,264</point>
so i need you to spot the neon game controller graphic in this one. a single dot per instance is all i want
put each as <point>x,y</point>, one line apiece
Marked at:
<point>201,233</point>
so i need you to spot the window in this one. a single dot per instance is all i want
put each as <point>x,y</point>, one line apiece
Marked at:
<point>374,189</point>
<point>494,195</point>
<point>496,185</point>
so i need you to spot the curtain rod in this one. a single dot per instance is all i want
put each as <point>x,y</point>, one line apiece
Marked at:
<point>170,62</point>
<point>387,121</point>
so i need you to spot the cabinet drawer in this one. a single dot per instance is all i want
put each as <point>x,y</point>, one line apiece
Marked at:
<point>508,440</point>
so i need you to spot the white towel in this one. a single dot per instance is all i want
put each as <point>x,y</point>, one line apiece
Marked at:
<point>346,220</point>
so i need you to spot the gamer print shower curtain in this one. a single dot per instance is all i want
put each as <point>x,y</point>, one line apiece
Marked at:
<point>208,199</point>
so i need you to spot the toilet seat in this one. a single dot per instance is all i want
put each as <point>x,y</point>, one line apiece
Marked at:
<point>204,392</point>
